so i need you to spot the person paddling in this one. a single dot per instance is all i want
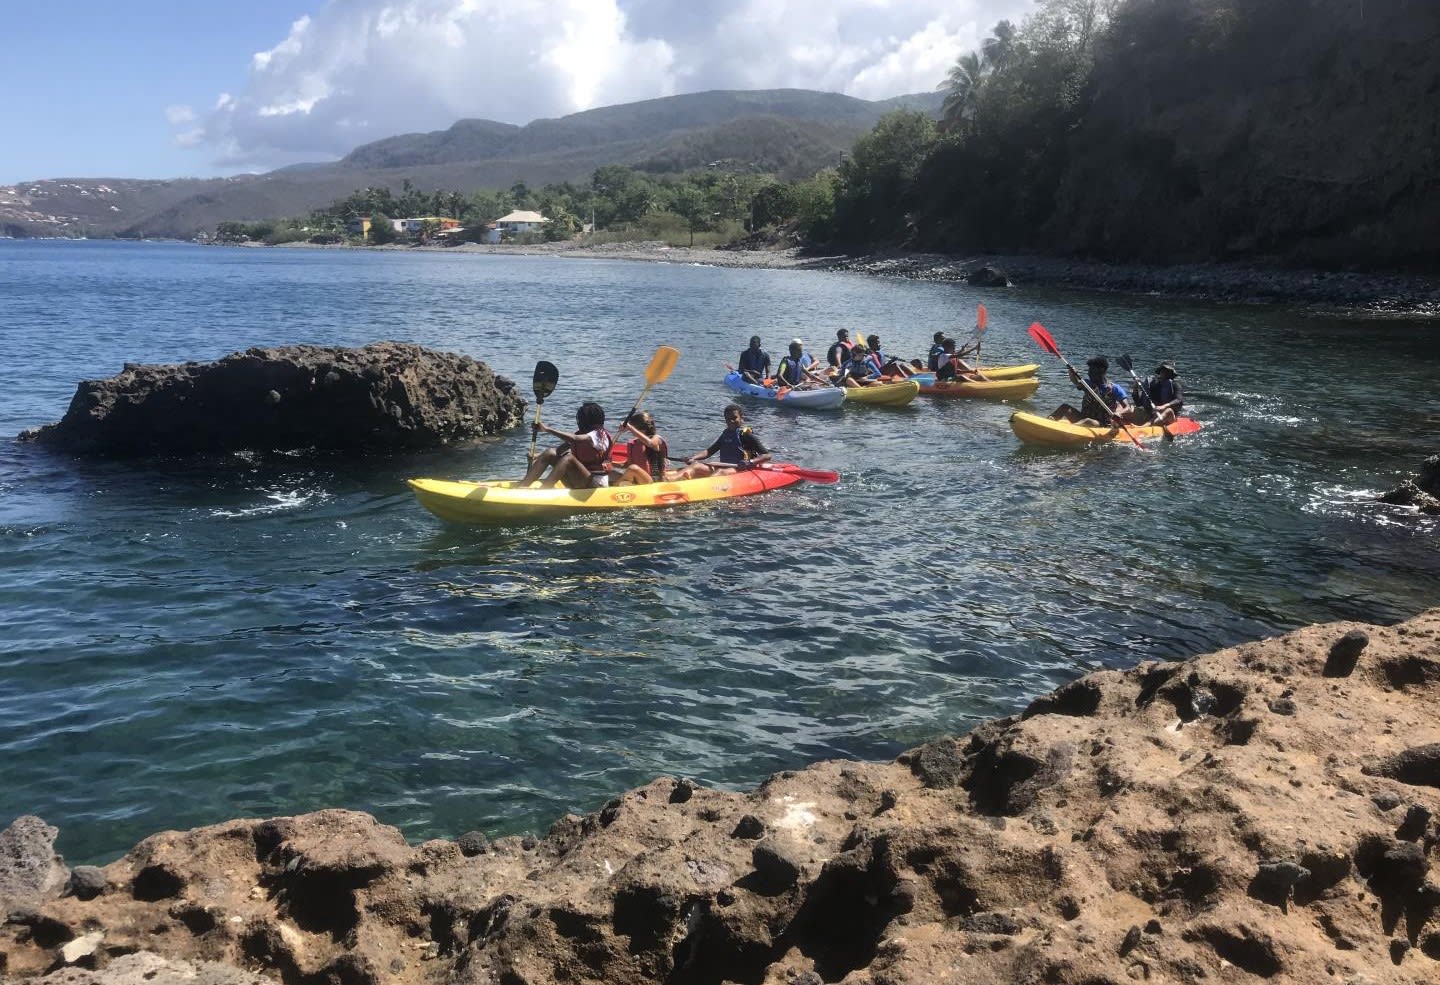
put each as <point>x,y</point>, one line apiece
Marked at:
<point>949,365</point>
<point>580,463</point>
<point>937,349</point>
<point>884,365</point>
<point>645,455</point>
<point>755,363</point>
<point>839,350</point>
<point>794,368</point>
<point>1161,397</point>
<point>1116,402</point>
<point>858,369</point>
<point>737,446</point>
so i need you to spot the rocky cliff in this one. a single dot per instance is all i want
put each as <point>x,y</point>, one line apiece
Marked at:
<point>1262,813</point>
<point>385,396</point>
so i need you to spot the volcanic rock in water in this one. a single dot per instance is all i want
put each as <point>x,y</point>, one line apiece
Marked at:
<point>1159,824</point>
<point>1423,493</point>
<point>988,276</point>
<point>385,396</point>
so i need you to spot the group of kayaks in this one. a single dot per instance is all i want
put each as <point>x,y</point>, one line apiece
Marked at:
<point>999,383</point>
<point>505,502</point>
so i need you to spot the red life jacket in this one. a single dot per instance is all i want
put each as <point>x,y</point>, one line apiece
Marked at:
<point>591,457</point>
<point>636,453</point>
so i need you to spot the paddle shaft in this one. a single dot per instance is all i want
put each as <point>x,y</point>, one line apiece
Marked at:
<point>534,433</point>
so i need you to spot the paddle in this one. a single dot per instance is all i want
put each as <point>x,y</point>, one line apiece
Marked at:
<point>662,364</point>
<point>982,322</point>
<point>811,475</point>
<point>546,376</point>
<point>1046,341</point>
<point>1128,366</point>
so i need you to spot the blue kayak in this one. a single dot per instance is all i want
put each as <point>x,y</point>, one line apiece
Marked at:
<point>823,398</point>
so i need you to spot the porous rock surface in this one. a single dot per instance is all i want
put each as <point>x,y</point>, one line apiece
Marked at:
<point>384,396</point>
<point>1266,812</point>
<point>1423,492</point>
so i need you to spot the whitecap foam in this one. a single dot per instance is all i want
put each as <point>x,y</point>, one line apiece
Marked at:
<point>279,501</point>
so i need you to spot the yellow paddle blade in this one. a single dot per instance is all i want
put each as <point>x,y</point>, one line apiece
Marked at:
<point>662,365</point>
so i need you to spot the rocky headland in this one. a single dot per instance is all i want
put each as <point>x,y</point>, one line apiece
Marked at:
<point>382,397</point>
<point>1267,812</point>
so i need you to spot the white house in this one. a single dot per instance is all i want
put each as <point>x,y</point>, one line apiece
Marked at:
<point>520,222</point>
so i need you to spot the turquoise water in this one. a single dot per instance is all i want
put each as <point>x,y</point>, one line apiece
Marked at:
<point>188,642</point>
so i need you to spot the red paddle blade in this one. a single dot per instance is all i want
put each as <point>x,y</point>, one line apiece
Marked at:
<point>810,475</point>
<point>1044,339</point>
<point>982,318</point>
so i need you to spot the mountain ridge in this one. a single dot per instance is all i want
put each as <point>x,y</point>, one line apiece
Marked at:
<point>791,132</point>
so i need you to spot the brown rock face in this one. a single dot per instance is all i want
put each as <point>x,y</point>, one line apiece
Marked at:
<point>385,396</point>
<point>1243,816</point>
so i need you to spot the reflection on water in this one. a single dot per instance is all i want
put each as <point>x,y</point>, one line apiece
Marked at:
<point>187,642</point>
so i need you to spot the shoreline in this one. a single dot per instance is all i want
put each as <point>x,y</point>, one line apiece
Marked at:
<point>1172,820</point>
<point>1338,292</point>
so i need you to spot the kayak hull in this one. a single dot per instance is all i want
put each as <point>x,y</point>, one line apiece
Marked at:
<point>491,503</point>
<point>883,394</point>
<point>994,372</point>
<point>984,389</point>
<point>823,398</point>
<point>1033,429</point>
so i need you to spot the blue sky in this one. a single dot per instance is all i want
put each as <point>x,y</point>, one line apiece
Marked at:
<point>87,83</point>
<point>145,89</point>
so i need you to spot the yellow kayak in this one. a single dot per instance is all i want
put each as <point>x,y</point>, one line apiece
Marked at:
<point>1036,430</point>
<point>983,389</point>
<point>883,394</point>
<point>504,502</point>
<point>1010,372</point>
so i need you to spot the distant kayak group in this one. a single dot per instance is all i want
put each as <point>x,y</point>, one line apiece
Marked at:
<point>593,470</point>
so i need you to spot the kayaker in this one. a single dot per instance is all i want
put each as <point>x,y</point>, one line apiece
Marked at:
<point>858,370</point>
<point>645,456</point>
<point>580,463</point>
<point>1090,414</point>
<point>737,446</point>
<point>949,365</point>
<point>839,350</point>
<point>794,368</point>
<point>755,363</point>
<point>937,347</point>
<point>884,364</point>
<point>1160,398</point>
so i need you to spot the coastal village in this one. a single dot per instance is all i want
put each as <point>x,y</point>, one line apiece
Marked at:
<point>434,228</point>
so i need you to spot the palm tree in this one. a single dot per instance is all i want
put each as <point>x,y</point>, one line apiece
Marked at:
<point>962,90</point>
<point>1002,49</point>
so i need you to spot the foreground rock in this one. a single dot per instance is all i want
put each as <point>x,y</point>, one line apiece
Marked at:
<point>1265,812</point>
<point>1423,493</point>
<point>386,396</point>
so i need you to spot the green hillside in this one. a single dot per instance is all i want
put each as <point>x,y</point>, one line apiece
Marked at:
<point>791,132</point>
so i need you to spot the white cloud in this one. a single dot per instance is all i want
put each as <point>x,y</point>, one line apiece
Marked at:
<point>359,70</point>
<point>179,115</point>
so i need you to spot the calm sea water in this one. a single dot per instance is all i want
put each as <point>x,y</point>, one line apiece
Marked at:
<point>184,643</point>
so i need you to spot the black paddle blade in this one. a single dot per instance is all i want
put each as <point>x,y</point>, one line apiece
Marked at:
<point>1126,363</point>
<point>546,376</point>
